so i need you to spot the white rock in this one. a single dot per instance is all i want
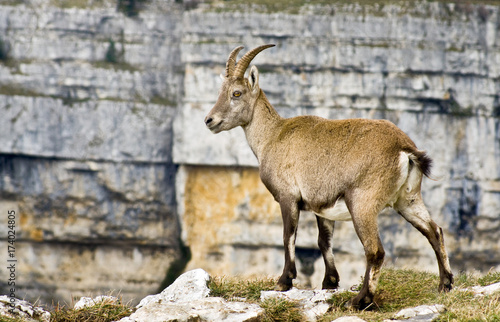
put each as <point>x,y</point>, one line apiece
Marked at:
<point>486,290</point>
<point>189,286</point>
<point>89,302</point>
<point>420,311</point>
<point>15,308</point>
<point>349,319</point>
<point>208,309</point>
<point>187,300</point>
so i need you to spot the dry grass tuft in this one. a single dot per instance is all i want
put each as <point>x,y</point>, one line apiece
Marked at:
<point>232,287</point>
<point>281,310</point>
<point>101,312</point>
<point>403,288</point>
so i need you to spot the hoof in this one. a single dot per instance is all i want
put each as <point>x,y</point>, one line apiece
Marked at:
<point>446,285</point>
<point>330,284</point>
<point>282,287</point>
<point>362,304</point>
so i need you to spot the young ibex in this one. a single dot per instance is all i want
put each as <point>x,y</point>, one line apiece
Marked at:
<point>338,169</point>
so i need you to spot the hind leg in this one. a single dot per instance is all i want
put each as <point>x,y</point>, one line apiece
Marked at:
<point>374,253</point>
<point>325,226</point>
<point>364,216</point>
<point>412,208</point>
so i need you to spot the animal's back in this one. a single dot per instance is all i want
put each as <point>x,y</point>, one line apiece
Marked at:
<point>321,159</point>
<point>358,143</point>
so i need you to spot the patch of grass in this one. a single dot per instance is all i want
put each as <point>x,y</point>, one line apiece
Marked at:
<point>124,66</point>
<point>464,306</point>
<point>340,299</point>
<point>229,287</point>
<point>163,100</point>
<point>281,310</point>
<point>7,319</point>
<point>17,90</point>
<point>488,279</point>
<point>397,289</point>
<point>466,280</point>
<point>80,4</point>
<point>403,288</point>
<point>267,6</point>
<point>328,7</point>
<point>400,288</point>
<point>275,309</point>
<point>12,3</point>
<point>101,312</point>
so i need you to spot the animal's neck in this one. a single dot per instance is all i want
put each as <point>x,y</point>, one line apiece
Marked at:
<point>261,129</point>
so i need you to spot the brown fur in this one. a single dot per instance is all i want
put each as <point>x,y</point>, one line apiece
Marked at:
<point>311,163</point>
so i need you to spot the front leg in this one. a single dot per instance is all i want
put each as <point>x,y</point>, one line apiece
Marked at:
<point>325,237</point>
<point>290,215</point>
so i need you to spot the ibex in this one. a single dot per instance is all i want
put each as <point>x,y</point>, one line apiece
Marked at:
<point>339,169</point>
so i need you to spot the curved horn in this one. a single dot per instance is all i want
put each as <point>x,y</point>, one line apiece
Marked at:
<point>231,61</point>
<point>243,63</point>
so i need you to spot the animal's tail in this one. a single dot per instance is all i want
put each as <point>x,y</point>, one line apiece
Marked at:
<point>422,161</point>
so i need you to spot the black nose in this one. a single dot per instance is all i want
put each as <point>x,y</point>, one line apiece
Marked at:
<point>208,120</point>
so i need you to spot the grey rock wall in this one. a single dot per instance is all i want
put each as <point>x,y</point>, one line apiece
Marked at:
<point>85,147</point>
<point>109,164</point>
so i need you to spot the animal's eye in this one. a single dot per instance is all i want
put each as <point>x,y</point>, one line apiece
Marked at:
<point>236,93</point>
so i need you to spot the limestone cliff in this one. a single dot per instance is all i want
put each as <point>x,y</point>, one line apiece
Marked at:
<point>105,157</point>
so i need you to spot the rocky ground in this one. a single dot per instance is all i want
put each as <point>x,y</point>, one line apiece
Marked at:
<point>188,299</point>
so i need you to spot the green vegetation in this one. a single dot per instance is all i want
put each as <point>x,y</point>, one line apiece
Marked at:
<point>276,309</point>
<point>177,267</point>
<point>6,319</point>
<point>16,90</point>
<point>131,8</point>
<point>101,312</point>
<point>398,289</point>
<point>12,2</point>
<point>112,54</point>
<point>124,66</point>
<point>331,7</point>
<point>163,100</point>
<point>281,310</point>
<point>115,58</point>
<point>80,4</point>
<point>230,287</point>
<point>4,50</point>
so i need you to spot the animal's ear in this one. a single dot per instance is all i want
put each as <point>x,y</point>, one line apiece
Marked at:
<point>253,79</point>
<point>222,76</point>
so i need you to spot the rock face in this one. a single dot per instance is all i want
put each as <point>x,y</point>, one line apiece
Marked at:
<point>85,147</point>
<point>106,160</point>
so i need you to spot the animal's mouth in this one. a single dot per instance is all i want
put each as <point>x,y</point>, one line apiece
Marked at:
<point>215,128</point>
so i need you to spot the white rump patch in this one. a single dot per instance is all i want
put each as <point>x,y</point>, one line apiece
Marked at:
<point>409,179</point>
<point>338,212</point>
